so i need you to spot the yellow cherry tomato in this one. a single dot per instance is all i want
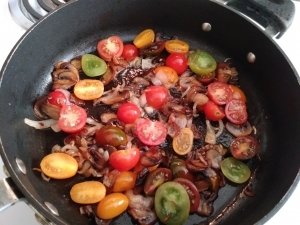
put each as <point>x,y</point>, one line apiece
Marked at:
<point>88,192</point>
<point>177,46</point>
<point>166,75</point>
<point>112,206</point>
<point>124,181</point>
<point>88,89</point>
<point>144,39</point>
<point>59,165</point>
<point>183,142</point>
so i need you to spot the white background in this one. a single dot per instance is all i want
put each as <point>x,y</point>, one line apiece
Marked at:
<point>20,213</point>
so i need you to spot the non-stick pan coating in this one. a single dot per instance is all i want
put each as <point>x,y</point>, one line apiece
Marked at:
<point>270,85</point>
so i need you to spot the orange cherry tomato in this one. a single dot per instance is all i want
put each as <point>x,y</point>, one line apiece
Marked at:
<point>88,89</point>
<point>88,192</point>
<point>144,39</point>
<point>59,165</point>
<point>237,93</point>
<point>167,75</point>
<point>177,46</point>
<point>112,206</point>
<point>124,181</point>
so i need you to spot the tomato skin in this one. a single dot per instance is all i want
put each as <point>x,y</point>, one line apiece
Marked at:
<point>167,75</point>
<point>88,89</point>
<point>128,113</point>
<point>178,62</point>
<point>72,118</point>
<point>110,47</point>
<point>92,65</point>
<point>150,132</point>
<point>130,52</point>
<point>124,181</point>
<point>111,135</point>
<point>177,46</point>
<point>124,160</point>
<point>183,142</point>
<point>112,206</point>
<point>237,93</point>
<point>220,93</point>
<point>244,147</point>
<point>236,111</point>
<point>144,39</point>
<point>57,98</point>
<point>156,96</point>
<point>235,170</point>
<point>156,178</point>
<point>212,111</point>
<point>202,63</point>
<point>88,192</point>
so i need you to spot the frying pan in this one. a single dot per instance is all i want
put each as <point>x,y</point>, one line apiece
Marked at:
<point>266,75</point>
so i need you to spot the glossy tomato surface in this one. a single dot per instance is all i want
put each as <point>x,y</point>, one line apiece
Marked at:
<point>220,93</point>
<point>124,160</point>
<point>156,96</point>
<point>57,98</point>
<point>88,192</point>
<point>178,62</point>
<point>130,52</point>
<point>244,147</point>
<point>177,46</point>
<point>213,112</point>
<point>125,181</point>
<point>92,65</point>
<point>144,38</point>
<point>128,113</point>
<point>111,135</point>
<point>110,47</point>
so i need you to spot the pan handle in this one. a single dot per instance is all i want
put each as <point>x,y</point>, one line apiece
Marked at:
<point>275,16</point>
<point>9,193</point>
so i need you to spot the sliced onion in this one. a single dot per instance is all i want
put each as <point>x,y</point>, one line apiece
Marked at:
<point>239,130</point>
<point>42,124</point>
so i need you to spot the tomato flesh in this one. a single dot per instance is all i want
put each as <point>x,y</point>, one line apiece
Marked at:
<point>88,89</point>
<point>220,93</point>
<point>236,111</point>
<point>156,96</point>
<point>128,113</point>
<point>124,160</point>
<point>178,62</point>
<point>244,147</point>
<point>177,46</point>
<point>212,111</point>
<point>57,98</point>
<point>130,52</point>
<point>202,63</point>
<point>235,170</point>
<point>156,178</point>
<point>110,47</point>
<point>92,65</point>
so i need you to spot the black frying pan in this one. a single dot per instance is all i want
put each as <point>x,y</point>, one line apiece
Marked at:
<point>270,84</point>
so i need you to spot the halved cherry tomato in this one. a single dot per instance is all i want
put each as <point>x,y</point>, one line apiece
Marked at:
<point>156,96</point>
<point>88,192</point>
<point>59,165</point>
<point>92,65</point>
<point>111,135</point>
<point>179,169</point>
<point>124,160</point>
<point>128,113</point>
<point>183,142</point>
<point>178,62</point>
<point>57,98</point>
<point>202,63</point>
<point>244,147</point>
<point>156,178</point>
<point>72,118</point>
<point>144,39</point>
<point>237,93</point>
<point>235,170</point>
<point>130,52</point>
<point>88,89</point>
<point>219,92</point>
<point>112,206</point>
<point>124,181</point>
<point>167,75</point>
<point>236,111</point>
<point>110,47</point>
<point>153,49</point>
<point>213,112</point>
<point>150,132</point>
<point>177,46</point>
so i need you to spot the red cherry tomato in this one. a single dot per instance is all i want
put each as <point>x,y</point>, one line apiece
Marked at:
<point>243,148</point>
<point>124,160</point>
<point>150,132</point>
<point>72,118</point>
<point>236,111</point>
<point>220,93</point>
<point>130,52</point>
<point>213,112</point>
<point>110,47</point>
<point>178,62</point>
<point>57,98</point>
<point>237,93</point>
<point>128,113</point>
<point>156,96</point>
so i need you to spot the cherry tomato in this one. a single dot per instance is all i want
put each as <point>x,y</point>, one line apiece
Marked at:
<point>220,93</point>
<point>167,75</point>
<point>236,111</point>
<point>111,135</point>
<point>153,49</point>
<point>156,96</point>
<point>88,192</point>
<point>110,47</point>
<point>183,142</point>
<point>130,52</point>
<point>88,89</point>
<point>244,147</point>
<point>156,178</point>
<point>235,170</point>
<point>178,62</point>
<point>212,111</point>
<point>144,39</point>
<point>179,169</point>
<point>112,206</point>
<point>124,181</point>
<point>202,63</point>
<point>150,132</point>
<point>177,46</point>
<point>128,113</point>
<point>124,160</point>
<point>59,165</point>
<point>72,118</point>
<point>237,93</point>
<point>57,98</point>
<point>92,65</point>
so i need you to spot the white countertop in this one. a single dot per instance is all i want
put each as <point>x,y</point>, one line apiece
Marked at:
<point>20,213</point>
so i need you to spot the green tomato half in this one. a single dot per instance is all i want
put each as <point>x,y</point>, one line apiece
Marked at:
<point>235,170</point>
<point>202,63</point>
<point>92,65</point>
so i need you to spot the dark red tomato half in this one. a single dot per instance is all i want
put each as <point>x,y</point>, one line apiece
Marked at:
<point>72,118</point>
<point>244,147</point>
<point>57,98</point>
<point>236,111</point>
<point>110,47</point>
<point>219,92</point>
<point>156,96</point>
<point>178,62</point>
<point>156,178</point>
<point>130,52</point>
<point>124,160</point>
<point>128,113</point>
<point>213,112</point>
<point>150,132</point>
